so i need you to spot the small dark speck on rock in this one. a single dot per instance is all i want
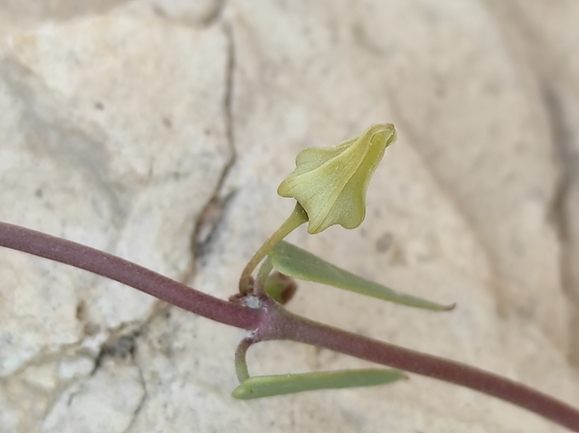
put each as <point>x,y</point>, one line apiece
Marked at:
<point>384,242</point>
<point>80,310</point>
<point>122,348</point>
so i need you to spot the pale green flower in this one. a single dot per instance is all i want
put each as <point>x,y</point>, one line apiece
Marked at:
<point>330,183</point>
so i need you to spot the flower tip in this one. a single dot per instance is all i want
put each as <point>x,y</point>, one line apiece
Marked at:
<point>382,133</point>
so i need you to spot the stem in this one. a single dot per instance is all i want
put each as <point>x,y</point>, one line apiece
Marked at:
<point>296,219</point>
<point>131,274</point>
<point>274,322</point>
<point>240,361</point>
<point>262,274</point>
<point>296,328</point>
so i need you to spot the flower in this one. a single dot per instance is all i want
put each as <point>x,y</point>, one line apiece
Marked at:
<point>330,183</point>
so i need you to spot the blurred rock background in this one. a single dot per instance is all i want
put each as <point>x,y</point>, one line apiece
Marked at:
<point>159,130</point>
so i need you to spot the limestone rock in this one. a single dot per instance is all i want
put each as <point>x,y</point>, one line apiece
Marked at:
<point>115,136</point>
<point>106,401</point>
<point>159,130</point>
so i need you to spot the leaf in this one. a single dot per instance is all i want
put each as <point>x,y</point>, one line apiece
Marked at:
<point>280,287</point>
<point>297,263</point>
<point>267,386</point>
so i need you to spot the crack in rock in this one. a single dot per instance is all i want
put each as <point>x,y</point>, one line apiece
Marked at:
<point>208,222</point>
<point>566,206</point>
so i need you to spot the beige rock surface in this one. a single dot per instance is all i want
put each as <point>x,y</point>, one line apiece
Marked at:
<point>159,130</point>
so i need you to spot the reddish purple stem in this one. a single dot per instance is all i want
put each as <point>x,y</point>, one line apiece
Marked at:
<point>296,328</point>
<point>129,273</point>
<point>275,322</point>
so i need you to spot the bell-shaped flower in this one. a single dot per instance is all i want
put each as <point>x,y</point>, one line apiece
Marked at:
<point>330,183</point>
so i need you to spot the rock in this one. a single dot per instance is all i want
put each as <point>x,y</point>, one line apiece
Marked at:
<point>98,149</point>
<point>105,401</point>
<point>159,130</point>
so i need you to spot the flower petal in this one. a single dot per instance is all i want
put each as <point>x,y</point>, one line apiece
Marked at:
<point>331,183</point>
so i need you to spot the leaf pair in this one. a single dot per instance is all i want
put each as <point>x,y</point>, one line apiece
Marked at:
<point>297,263</point>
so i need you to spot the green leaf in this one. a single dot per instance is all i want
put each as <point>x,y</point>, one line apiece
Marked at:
<point>267,386</point>
<point>297,263</point>
<point>280,287</point>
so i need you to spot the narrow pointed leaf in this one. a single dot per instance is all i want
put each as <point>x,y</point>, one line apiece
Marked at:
<point>267,386</point>
<point>297,263</point>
